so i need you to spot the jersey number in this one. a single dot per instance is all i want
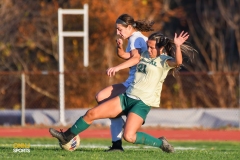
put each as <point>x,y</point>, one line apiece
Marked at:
<point>141,68</point>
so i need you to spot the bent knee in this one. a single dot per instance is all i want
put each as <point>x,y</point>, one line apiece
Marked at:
<point>91,114</point>
<point>98,97</point>
<point>131,138</point>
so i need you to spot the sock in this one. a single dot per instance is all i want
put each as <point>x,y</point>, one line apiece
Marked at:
<point>146,139</point>
<point>79,126</point>
<point>116,128</point>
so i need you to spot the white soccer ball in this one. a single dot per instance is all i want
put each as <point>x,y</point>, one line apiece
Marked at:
<point>72,145</point>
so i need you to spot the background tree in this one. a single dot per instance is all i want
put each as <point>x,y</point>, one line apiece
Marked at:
<point>215,29</point>
<point>29,39</point>
<point>29,43</point>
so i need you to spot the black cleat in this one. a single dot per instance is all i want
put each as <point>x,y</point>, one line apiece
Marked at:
<point>166,147</point>
<point>116,146</point>
<point>59,135</point>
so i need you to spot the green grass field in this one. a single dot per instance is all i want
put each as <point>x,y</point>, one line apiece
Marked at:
<point>93,149</point>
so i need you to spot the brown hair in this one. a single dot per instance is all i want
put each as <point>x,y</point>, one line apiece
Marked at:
<point>170,48</point>
<point>140,25</point>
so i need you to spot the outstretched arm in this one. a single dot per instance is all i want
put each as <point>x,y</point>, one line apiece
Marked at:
<point>178,41</point>
<point>135,58</point>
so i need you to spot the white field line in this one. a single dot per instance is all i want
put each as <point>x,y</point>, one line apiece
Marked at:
<point>94,146</point>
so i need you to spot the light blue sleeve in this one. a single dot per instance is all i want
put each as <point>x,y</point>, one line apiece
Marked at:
<point>138,43</point>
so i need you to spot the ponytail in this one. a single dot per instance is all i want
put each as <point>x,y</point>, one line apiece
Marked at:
<point>140,25</point>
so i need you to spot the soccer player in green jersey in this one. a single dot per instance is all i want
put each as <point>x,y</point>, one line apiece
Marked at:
<point>130,30</point>
<point>143,93</point>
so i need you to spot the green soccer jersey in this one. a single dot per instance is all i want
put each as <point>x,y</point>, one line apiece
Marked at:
<point>149,78</point>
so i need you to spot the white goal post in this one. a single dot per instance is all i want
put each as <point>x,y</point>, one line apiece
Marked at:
<point>61,35</point>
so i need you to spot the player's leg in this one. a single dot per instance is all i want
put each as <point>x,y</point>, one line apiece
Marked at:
<point>110,92</point>
<point>131,134</point>
<point>132,125</point>
<point>116,128</point>
<point>117,124</point>
<point>134,121</point>
<point>108,109</point>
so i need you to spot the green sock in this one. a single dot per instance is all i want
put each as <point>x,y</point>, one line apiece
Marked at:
<point>146,139</point>
<point>79,126</point>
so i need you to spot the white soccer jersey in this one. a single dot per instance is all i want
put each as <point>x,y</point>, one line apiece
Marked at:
<point>149,77</point>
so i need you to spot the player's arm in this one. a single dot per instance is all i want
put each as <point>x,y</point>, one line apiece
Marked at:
<point>120,51</point>
<point>178,59</point>
<point>178,40</point>
<point>133,60</point>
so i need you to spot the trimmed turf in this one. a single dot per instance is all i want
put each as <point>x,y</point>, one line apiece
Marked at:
<point>93,149</point>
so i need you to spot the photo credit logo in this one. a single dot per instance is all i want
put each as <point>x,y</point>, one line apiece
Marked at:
<point>21,147</point>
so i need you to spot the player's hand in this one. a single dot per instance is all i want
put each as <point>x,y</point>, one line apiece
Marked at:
<point>179,40</point>
<point>119,42</point>
<point>112,71</point>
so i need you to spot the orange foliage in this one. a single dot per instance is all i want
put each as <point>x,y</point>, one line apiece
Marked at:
<point>32,37</point>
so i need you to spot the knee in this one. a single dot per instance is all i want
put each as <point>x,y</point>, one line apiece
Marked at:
<point>97,97</point>
<point>90,115</point>
<point>129,137</point>
<point>100,97</point>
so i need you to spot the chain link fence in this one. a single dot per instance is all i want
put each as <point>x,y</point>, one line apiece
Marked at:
<point>20,92</point>
<point>186,90</point>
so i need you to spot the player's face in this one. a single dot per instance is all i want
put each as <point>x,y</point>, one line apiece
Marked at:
<point>152,48</point>
<point>123,32</point>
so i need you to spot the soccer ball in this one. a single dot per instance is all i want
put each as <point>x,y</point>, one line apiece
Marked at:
<point>72,145</point>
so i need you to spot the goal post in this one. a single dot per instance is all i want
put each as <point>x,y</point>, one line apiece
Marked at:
<point>61,35</point>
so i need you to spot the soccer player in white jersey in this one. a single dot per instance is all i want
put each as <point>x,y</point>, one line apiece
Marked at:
<point>143,93</point>
<point>127,28</point>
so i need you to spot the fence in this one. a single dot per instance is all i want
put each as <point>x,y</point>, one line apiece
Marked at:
<point>40,90</point>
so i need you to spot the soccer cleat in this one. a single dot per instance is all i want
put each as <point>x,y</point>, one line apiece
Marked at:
<point>116,146</point>
<point>59,135</point>
<point>166,146</point>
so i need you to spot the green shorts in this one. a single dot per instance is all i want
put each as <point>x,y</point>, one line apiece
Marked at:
<point>133,105</point>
